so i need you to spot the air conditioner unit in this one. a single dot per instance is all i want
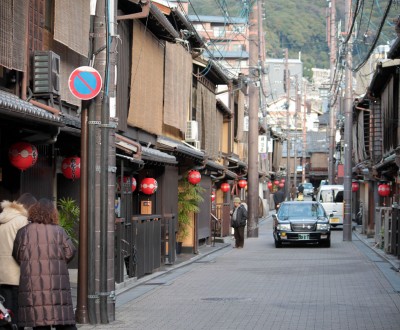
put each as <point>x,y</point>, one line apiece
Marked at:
<point>192,131</point>
<point>46,73</point>
<point>197,145</point>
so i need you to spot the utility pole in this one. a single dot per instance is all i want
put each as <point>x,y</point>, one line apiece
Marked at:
<point>254,75</point>
<point>287,83</point>
<point>304,148</point>
<point>101,171</point>
<point>295,130</point>
<point>332,108</point>
<point>348,126</point>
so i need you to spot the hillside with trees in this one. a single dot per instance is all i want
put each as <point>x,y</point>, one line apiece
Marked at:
<point>299,25</point>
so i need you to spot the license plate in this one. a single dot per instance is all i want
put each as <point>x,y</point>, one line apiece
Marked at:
<point>334,220</point>
<point>304,237</point>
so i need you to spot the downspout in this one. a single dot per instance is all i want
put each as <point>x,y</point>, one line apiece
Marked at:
<point>24,82</point>
<point>46,107</point>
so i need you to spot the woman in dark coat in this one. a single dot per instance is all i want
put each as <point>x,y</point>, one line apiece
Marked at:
<point>43,249</point>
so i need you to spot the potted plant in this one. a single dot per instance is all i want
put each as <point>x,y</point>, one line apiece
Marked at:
<point>69,212</point>
<point>189,198</point>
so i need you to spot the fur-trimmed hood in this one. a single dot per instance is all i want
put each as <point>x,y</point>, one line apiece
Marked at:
<point>11,210</point>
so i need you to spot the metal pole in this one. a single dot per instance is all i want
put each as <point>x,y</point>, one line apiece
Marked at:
<point>81,304</point>
<point>287,82</point>
<point>304,148</point>
<point>295,128</point>
<point>252,227</point>
<point>348,126</point>
<point>332,108</point>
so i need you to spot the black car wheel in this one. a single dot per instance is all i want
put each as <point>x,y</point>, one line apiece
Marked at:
<point>326,243</point>
<point>278,244</point>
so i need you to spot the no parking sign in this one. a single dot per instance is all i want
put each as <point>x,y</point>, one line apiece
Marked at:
<point>85,83</point>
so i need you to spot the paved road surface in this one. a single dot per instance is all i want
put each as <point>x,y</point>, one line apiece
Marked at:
<point>345,287</point>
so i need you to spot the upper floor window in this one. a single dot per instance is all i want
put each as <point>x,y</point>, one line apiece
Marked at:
<point>219,31</point>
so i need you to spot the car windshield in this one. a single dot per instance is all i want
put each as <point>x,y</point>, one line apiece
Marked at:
<point>300,210</point>
<point>308,186</point>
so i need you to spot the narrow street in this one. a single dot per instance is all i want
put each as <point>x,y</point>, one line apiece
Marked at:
<point>347,286</point>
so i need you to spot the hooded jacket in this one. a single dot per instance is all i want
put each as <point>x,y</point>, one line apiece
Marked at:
<point>13,217</point>
<point>43,251</point>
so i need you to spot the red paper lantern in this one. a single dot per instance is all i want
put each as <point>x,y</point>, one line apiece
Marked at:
<point>270,185</point>
<point>126,183</point>
<point>242,183</point>
<point>23,155</point>
<point>194,177</point>
<point>148,186</point>
<point>354,186</point>
<point>283,180</point>
<point>281,185</point>
<point>212,197</point>
<point>225,187</point>
<point>71,167</point>
<point>276,182</point>
<point>384,190</point>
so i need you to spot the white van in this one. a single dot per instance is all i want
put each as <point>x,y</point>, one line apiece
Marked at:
<point>331,198</point>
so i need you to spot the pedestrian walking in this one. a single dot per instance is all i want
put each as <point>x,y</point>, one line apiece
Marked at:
<point>13,218</point>
<point>301,188</point>
<point>293,192</point>
<point>43,249</point>
<point>279,197</point>
<point>238,221</point>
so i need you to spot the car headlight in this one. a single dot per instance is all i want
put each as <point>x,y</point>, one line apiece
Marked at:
<point>283,226</point>
<point>323,226</point>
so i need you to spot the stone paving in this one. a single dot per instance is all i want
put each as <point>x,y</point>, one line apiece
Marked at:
<point>260,287</point>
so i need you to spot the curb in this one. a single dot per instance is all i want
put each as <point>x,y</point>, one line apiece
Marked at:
<point>392,260</point>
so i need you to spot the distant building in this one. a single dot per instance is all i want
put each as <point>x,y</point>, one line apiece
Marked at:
<point>226,40</point>
<point>276,77</point>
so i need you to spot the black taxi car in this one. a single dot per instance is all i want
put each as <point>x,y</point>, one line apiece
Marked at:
<point>301,222</point>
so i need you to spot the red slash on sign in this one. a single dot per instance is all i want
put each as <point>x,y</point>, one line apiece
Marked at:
<point>85,83</point>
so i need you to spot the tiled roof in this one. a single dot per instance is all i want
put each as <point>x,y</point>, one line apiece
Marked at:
<point>12,106</point>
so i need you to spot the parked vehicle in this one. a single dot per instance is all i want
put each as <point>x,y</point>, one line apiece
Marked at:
<point>331,198</point>
<point>301,222</point>
<point>308,189</point>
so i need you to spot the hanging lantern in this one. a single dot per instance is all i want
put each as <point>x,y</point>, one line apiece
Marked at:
<point>225,187</point>
<point>242,183</point>
<point>23,155</point>
<point>355,186</point>
<point>126,183</point>
<point>212,197</point>
<point>384,190</point>
<point>283,181</point>
<point>194,177</point>
<point>281,185</point>
<point>276,182</point>
<point>148,186</point>
<point>71,167</point>
<point>270,185</point>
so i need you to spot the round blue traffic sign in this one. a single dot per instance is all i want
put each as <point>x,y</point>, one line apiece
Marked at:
<point>85,83</point>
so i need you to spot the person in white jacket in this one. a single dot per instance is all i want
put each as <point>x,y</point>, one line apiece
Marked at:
<point>13,217</point>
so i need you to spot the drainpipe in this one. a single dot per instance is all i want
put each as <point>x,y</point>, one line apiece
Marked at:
<point>46,107</point>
